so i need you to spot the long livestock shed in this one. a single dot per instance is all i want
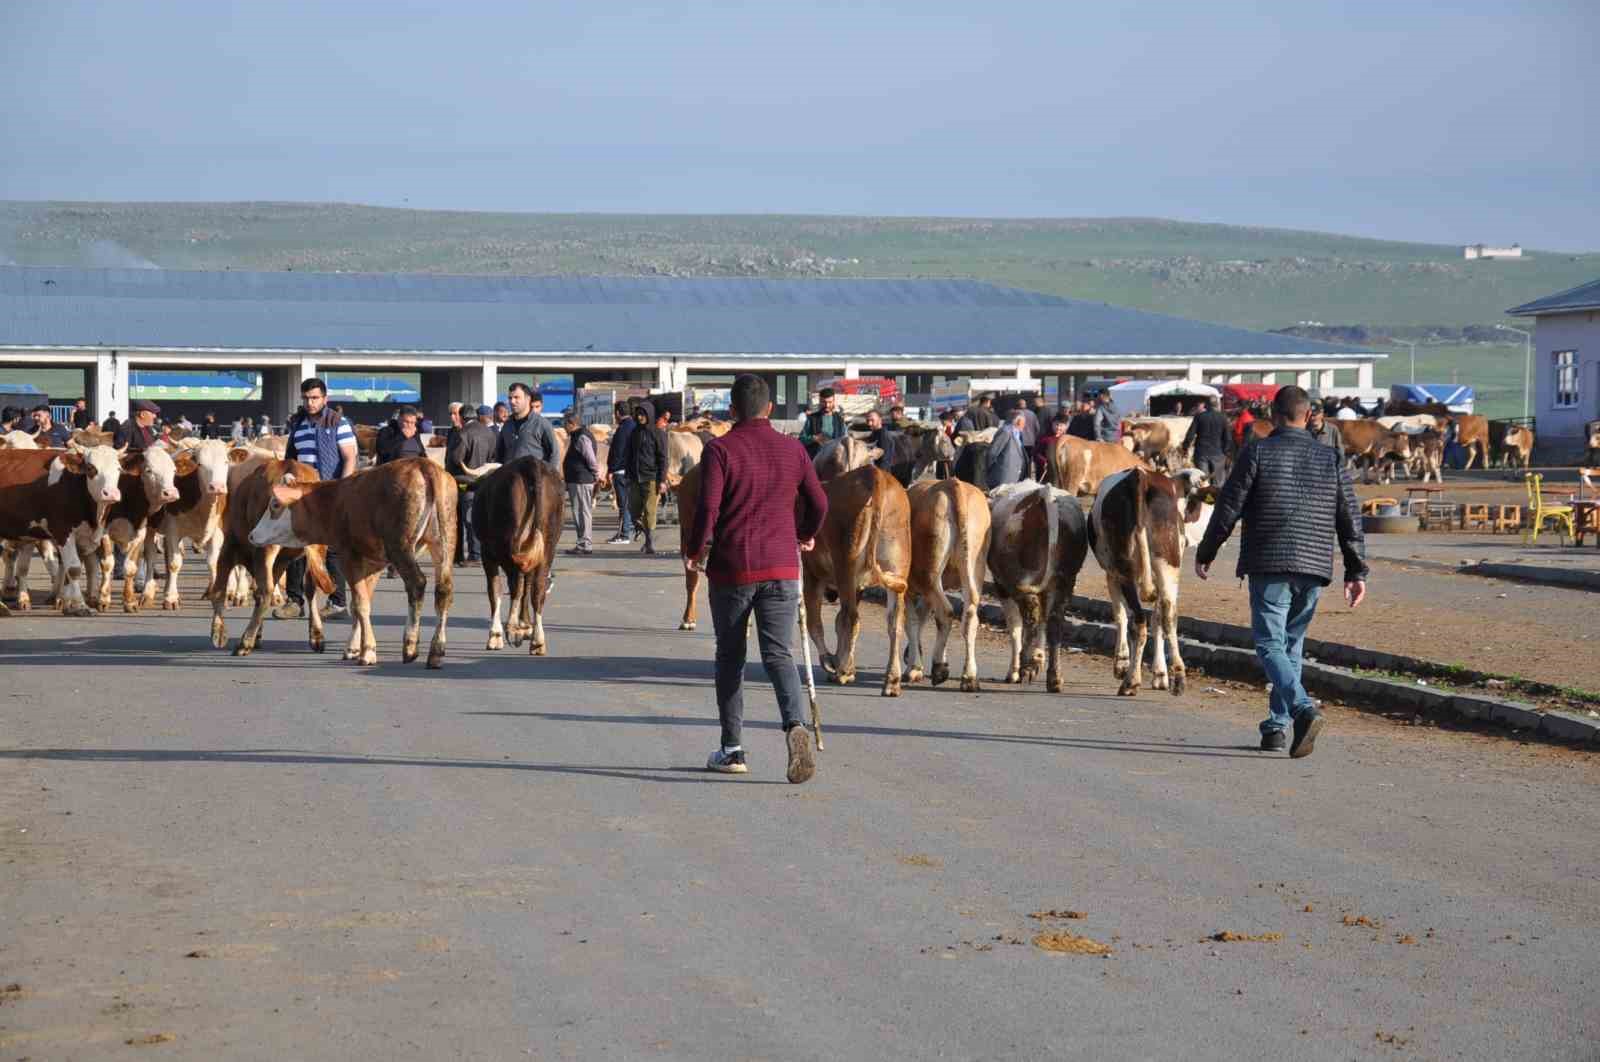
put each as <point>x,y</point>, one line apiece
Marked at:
<point>469,336</point>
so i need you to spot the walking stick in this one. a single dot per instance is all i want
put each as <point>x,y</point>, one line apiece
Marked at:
<point>805,643</point>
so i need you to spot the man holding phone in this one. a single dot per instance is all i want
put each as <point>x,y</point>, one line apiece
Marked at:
<point>1296,501</point>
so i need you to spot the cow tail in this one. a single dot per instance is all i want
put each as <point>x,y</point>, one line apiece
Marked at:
<point>529,529</point>
<point>1052,533</point>
<point>316,568</point>
<point>1144,570</point>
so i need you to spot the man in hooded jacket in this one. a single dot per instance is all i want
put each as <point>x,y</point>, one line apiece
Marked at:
<point>647,470</point>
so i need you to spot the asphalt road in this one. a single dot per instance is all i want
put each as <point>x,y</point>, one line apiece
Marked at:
<point>288,857</point>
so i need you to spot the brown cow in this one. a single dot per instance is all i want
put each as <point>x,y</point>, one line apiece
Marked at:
<point>1427,455</point>
<point>250,481</point>
<point>865,541</point>
<point>1036,549</point>
<point>949,541</point>
<point>1079,465</point>
<point>377,517</point>
<point>1519,446</point>
<point>517,510</point>
<point>839,456</point>
<point>48,495</point>
<point>1471,431</point>
<point>1373,447</point>
<point>1139,529</point>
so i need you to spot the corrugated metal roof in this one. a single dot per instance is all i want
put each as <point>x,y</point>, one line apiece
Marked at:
<point>147,308</point>
<point>1582,297</point>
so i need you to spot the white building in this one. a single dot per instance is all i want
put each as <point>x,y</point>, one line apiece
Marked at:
<point>1483,250</point>
<point>1566,364</point>
<point>468,337</point>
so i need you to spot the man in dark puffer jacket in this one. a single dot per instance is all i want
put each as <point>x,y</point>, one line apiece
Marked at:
<point>1296,501</point>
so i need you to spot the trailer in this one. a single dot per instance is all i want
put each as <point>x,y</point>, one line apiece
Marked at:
<point>1158,398</point>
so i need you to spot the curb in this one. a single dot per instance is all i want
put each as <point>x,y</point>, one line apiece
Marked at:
<point>1218,657</point>
<point>1566,578</point>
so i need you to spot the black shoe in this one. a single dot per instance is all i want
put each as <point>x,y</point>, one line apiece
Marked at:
<point>727,762</point>
<point>579,551</point>
<point>618,539</point>
<point>1307,726</point>
<point>1274,741</point>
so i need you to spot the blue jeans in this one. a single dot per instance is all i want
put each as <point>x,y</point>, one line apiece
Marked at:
<point>776,606</point>
<point>619,483</point>
<point>1281,607</point>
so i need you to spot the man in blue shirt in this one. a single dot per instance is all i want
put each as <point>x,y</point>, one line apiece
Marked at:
<point>321,438</point>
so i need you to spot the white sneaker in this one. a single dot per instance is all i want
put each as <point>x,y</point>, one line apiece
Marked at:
<point>727,762</point>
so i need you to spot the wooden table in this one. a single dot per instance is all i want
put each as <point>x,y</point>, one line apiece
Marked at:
<point>1585,520</point>
<point>1431,492</point>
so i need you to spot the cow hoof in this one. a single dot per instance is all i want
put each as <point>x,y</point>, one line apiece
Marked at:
<point>219,636</point>
<point>351,654</point>
<point>23,602</point>
<point>830,664</point>
<point>1176,686</point>
<point>1013,677</point>
<point>1159,682</point>
<point>1030,673</point>
<point>1119,669</point>
<point>170,604</point>
<point>130,606</point>
<point>913,675</point>
<point>940,675</point>
<point>243,648</point>
<point>1053,684</point>
<point>496,641</point>
<point>317,644</point>
<point>369,658</point>
<point>537,648</point>
<point>891,689</point>
<point>435,661</point>
<point>1127,689</point>
<point>843,678</point>
<point>686,625</point>
<point>969,684</point>
<point>408,656</point>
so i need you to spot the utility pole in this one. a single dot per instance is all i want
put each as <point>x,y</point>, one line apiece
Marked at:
<point>1527,367</point>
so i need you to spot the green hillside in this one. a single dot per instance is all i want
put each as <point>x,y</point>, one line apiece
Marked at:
<point>1251,277</point>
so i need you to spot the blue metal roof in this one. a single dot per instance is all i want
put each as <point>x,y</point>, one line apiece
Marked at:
<point>160,309</point>
<point>1582,297</point>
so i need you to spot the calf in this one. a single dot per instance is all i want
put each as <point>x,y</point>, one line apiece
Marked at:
<point>949,540</point>
<point>517,511</point>
<point>1427,455</point>
<point>910,453</point>
<point>1158,440</point>
<point>375,518</point>
<point>1079,465</point>
<point>865,541</point>
<point>148,484</point>
<point>197,514</point>
<point>1036,550</point>
<point>48,495</point>
<point>1519,446</point>
<point>250,481</point>
<point>1139,528</point>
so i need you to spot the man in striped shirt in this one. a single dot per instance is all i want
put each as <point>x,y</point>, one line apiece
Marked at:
<point>321,438</point>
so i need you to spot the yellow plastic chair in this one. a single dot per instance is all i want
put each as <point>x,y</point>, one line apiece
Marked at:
<point>1539,512</point>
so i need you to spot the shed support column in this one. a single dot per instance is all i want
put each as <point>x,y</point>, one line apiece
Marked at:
<point>107,391</point>
<point>1364,375</point>
<point>852,370</point>
<point>1325,379</point>
<point>280,388</point>
<point>489,383</point>
<point>1197,373</point>
<point>665,375</point>
<point>1269,377</point>
<point>1303,379</point>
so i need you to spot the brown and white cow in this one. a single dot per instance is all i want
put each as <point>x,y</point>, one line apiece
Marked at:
<point>48,495</point>
<point>846,453</point>
<point>16,554</point>
<point>1079,465</point>
<point>1372,447</point>
<point>376,518</point>
<point>949,542</point>
<point>1037,545</point>
<point>865,541</point>
<point>1139,527</point>
<point>198,513</point>
<point>250,482</point>
<point>149,482</point>
<point>1158,440</point>
<point>1427,455</point>
<point>1519,446</point>
<point>517,510</point>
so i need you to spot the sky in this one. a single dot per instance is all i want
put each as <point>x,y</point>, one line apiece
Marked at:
<point>1448,122</point>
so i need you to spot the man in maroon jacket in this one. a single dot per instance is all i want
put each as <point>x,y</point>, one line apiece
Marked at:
<point>752,478</point>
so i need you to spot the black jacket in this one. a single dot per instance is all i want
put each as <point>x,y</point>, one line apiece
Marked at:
<point>1208,434</point>
<point>647,450</point>
<point>474,447</point>
<point>1297,503</point>
<point>617,456</point>
<point>1082,426</point>
<point>392,446</point>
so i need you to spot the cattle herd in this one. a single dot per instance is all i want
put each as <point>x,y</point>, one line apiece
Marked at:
<point>250,513</point>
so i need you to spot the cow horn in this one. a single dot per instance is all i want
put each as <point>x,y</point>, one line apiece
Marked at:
<point>481,471</point>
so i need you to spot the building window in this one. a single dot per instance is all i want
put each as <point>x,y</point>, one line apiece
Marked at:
<point>1566,365</point>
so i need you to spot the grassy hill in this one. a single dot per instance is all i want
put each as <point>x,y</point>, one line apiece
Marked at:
<point>1251,277</point>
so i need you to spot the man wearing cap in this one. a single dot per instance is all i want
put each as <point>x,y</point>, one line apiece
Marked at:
<point>138,432</point>
<point>473,448</point>
<point>580,467</point>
